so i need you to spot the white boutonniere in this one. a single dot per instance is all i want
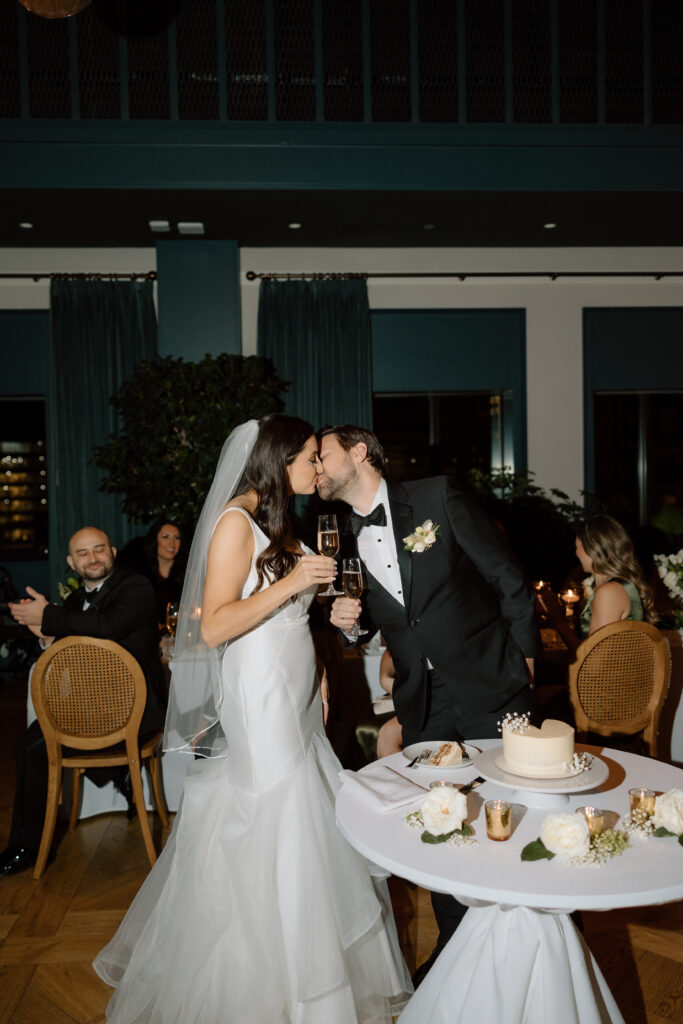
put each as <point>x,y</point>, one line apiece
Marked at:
<point>423,537</point>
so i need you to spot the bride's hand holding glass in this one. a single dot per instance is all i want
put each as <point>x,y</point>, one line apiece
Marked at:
<point>312,570</point>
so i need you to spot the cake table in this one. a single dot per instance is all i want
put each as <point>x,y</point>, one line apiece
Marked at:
<point>517,955</point>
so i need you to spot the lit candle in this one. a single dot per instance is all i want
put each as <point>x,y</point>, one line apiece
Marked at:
<point>497,820</point>
<point>643,801</point>
<point>595,818</point>
<point>570,597</point>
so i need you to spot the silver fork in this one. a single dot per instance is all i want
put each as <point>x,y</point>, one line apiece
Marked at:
<point>465,755</point>
<point>424,755</point>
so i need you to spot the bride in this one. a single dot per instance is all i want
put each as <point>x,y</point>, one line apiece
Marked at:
<point>257,910</point>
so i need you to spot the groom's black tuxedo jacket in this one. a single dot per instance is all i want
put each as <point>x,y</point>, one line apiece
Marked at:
<point>124,609</point>
<point>469,608</point>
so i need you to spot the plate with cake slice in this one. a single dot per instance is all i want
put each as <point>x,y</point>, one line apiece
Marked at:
<point>441,755</point>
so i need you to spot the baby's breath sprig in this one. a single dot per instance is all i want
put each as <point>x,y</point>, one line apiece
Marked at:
<point>578,763</point>
<point>514,722</point>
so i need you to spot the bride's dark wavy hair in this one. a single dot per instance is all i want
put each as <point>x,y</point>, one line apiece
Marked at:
<point>280,439</point>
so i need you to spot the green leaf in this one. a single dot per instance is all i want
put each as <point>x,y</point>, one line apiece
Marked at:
<point>661,831</point>
<point>466,830</point>
<point>536,851</point>
<point>429,837</point>
<point>680,839</point>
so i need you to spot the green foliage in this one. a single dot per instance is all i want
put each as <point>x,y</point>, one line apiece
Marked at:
<point>175,417</point>
<point>429,837</point>
<point>536,851</point>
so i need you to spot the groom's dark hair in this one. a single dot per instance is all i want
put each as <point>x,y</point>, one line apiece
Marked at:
<point>348,436</point>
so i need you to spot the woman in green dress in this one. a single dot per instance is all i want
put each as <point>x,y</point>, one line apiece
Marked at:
<point>618,589</point>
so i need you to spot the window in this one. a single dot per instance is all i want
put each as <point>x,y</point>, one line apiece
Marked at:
<point>23,479</point>
<point>638,453</point>
<point>431,433</point>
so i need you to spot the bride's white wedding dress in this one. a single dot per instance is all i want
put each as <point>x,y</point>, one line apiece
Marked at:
<point>258,911</point>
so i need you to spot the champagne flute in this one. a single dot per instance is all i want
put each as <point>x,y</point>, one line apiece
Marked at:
<point>328,544</point>
<point>171,617</point>
<point>352,583</point>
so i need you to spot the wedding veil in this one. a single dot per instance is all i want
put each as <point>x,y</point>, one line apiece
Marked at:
<point>192,719</point>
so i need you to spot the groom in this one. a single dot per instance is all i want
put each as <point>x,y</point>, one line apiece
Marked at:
<point>456,611</point>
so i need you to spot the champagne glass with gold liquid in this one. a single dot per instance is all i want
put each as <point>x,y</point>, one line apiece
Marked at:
<point>328,544</point>
<point>352,583</point>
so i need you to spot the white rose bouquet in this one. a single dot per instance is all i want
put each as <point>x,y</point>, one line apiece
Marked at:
<point>670,569</point>
<point>668,815</point>
<point>568,836</point>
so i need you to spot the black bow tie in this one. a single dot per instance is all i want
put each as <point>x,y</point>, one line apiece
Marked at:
<point>377,517</point>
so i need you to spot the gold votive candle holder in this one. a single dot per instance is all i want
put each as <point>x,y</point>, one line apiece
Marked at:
<point>498,823</point>
<point>595,818</point>
<point>442,783</point>
<point>642,800</point>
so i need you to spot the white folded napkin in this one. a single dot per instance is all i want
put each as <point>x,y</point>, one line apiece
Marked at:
<point>381,788</point>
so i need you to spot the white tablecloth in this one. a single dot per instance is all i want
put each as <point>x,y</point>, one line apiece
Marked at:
<point>512,958</point>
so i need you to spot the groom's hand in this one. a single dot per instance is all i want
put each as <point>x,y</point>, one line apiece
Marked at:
<point>344,612</point>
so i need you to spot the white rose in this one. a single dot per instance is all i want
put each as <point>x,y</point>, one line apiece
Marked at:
<point>427,525</point>
<point>566,834</point>
<point>418,546</point>
<point>669,811</point>
<point>444,810</point>
<point>430,538</point>
<point>670,580</point>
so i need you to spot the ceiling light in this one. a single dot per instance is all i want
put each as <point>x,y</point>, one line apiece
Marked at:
<point>549,226</point>
<point>159,226</point>
<point>190,227</point>
<point>294,225</point>
<point>26,225</point>
<point>428,227</point>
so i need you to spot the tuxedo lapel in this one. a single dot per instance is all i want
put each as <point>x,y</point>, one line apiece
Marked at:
<point>94,597</point>
<point>402,523</point>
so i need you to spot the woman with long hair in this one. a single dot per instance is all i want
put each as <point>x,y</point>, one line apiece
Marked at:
<point>257,910</point>
<point>618,589</point>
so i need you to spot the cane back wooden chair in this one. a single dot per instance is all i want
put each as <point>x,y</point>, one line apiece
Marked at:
<point>90,694</point>
<point>619,680</point>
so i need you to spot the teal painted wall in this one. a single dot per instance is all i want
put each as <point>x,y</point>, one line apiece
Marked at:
<point>198,298</point>
<point>25,362</point>
<point>456,350</point>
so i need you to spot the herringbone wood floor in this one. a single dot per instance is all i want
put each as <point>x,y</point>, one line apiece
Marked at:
<point>50,930</point>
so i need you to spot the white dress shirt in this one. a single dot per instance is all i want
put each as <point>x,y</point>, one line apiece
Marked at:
<point>377,548</point>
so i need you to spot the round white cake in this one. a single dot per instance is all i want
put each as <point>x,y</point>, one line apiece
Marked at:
<point>539,752</point>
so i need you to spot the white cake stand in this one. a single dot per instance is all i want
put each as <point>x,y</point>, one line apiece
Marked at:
<point>551,794</point>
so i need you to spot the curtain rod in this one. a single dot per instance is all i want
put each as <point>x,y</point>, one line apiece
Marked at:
<point>552,275</point>
<point>145,275</point>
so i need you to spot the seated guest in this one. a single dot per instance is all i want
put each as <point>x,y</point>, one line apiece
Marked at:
<point>618,588</point>
<point>390,736</point>
<point>159,555</point>
<point>113,604</point>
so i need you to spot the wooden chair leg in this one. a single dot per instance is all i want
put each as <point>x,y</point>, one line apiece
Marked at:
<point>158,788</point>
<point>139,797</point>
<point>75,796</point>
<point>53,790</point>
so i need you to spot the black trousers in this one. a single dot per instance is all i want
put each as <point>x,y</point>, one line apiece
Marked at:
<point>448,719</point>
<point>30,797</point>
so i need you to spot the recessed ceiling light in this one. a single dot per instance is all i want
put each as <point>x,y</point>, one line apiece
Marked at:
<point>190,227</point>
<point>160,227</point>
<point>26,225</point>
<point>549,226</point>
<point>428,227</point>
<point>294,225</point>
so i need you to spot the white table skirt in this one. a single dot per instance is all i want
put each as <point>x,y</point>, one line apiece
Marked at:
<point>516,956</point>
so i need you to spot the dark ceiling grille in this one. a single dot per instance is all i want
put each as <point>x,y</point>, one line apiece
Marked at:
<point>295,60</point>
<point>517,61</point>
<point>485,48</point>
<point>578,62</point>
<point>438,50</point>
<point>10,93</point>
<point>245,41</point>
<point>532,71</point>
<point>99,67</point>
<point>48,67</point>
<point>624,61</point>
<point>390,54</point>
<point>197,56</point>
<point>343,61</point>
<point>667,61</point>
<point>148,81</point>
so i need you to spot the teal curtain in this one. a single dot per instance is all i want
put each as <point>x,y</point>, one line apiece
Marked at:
<point>318,335</point>
<point>100,330</point>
